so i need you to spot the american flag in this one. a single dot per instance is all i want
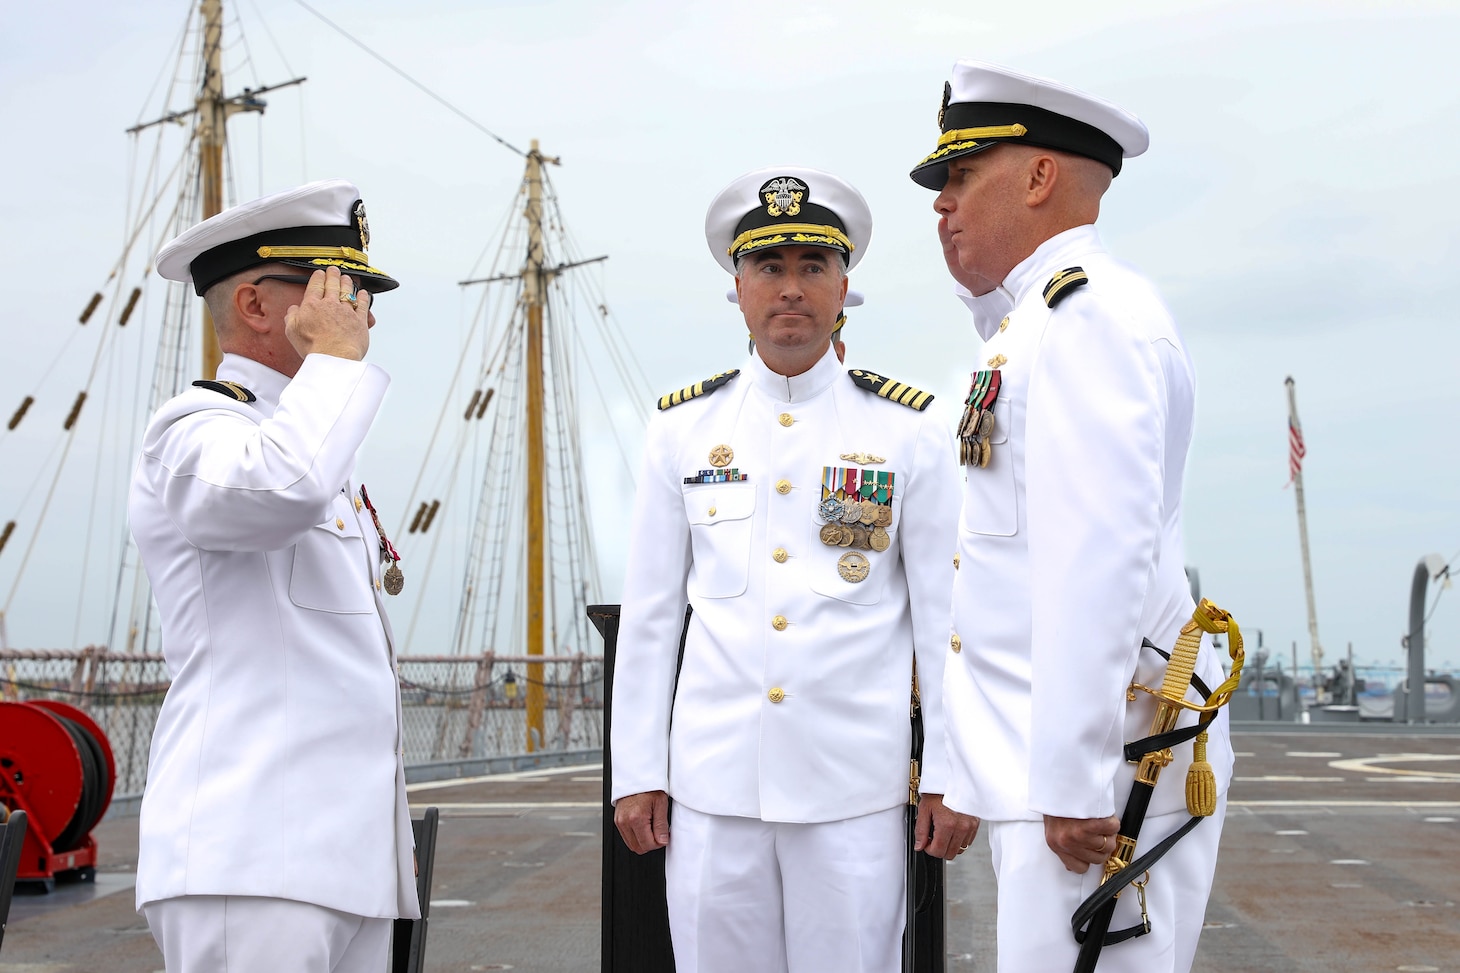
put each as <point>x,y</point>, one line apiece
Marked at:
<point>1296,451</point>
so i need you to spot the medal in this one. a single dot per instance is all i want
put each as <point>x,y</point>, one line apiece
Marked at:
<point>856,506</point>
<point>976,427</point>
<point>853,568</point>
<point>394,579</point>
<point>721,456</point>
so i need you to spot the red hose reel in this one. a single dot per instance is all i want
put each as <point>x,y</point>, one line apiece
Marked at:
<point>55,765</point>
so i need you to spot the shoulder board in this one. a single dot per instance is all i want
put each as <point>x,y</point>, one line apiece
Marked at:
<point>231,389</point>
<point>891,389</point>
<point>696,390</point>
<point>1063,283</point>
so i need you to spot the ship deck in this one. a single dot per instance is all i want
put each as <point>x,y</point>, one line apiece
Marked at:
<point>1341,852</point>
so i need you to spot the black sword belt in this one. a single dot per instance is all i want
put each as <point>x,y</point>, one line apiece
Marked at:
<point>1091,921</point>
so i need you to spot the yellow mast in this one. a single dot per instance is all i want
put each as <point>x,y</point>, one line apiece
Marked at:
<point>534,278</point>
<point>212,134</point>
<point>213,111</point>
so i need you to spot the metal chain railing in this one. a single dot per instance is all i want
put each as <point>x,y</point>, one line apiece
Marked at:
<point>455,708</point>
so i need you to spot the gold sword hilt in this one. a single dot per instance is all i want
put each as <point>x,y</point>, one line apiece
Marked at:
<point>1201,786</point>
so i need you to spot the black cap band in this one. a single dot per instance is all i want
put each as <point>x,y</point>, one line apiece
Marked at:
<point>227,259</point>
<point>971,127</point>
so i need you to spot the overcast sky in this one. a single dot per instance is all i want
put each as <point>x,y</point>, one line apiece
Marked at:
<point>1297,208</point>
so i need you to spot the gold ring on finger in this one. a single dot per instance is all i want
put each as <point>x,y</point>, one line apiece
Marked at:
<point>350,299</point>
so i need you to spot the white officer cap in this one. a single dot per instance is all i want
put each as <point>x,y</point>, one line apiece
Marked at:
<point>787,206</point>
<point>986,104</point>
<point>314,226</point>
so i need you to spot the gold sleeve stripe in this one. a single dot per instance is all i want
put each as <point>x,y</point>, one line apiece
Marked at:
<point>891,389</point>
<point>704,387</point>
<point>1062,283</point>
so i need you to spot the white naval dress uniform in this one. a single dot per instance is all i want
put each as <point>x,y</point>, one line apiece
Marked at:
<point>792,703</point>
<point>1071,552</point>
<point>276,766</point>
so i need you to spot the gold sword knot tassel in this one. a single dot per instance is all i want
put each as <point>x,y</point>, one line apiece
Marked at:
<point>1201,781</point>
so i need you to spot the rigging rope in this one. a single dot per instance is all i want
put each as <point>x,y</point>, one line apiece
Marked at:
<point>457,111</point>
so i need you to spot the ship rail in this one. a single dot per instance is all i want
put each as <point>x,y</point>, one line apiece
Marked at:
<point>455,707</point>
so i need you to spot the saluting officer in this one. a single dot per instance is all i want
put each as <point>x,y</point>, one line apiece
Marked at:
<point>805,511</point>
<point>275,833</point>
<point>1074,438</point>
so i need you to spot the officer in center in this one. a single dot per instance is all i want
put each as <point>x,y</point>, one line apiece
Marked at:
<point>806,512</point>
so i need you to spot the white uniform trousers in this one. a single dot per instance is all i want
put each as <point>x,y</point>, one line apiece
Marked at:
<point>251,934</point>
<point>1037,896</point>
<point>746,894</point>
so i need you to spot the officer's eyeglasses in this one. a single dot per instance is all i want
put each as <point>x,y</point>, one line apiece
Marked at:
<point>304,279</point>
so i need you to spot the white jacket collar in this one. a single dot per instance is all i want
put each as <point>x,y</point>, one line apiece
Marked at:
<point>795,388</point>
<point>988,309</point>
<point>265,383</point>
<point>1059,252</point>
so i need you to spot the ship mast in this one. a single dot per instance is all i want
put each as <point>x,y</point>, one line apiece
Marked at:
<point>531,510</point>
<point>534,278</point>
<point>212,136</point>
<point>213,110</point>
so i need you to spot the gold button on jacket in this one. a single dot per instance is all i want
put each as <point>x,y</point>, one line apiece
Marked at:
<point>776,695</point>
<point>779,555</point>
<point>783,487</point>
<point>956,642</point>
<point>779,623</point>
<point>786,419</point>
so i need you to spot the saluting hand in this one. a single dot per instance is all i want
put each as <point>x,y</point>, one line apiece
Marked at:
<point>941,831</point>
<point>643,820</point>
<point>326,322</point>
<point>1081,842</point>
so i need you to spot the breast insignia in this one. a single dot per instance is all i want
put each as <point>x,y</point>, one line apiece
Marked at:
<point>231,389</point>
<point>696,390</point>
<point>1064,283</point>
<point>888,388</point>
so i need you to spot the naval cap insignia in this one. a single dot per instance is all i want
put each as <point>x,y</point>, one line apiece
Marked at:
<point>943,108</point>
<point>361,223</point>
<point>783,196</point>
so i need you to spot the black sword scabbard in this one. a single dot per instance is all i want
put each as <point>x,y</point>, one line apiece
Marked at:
<point>1130,830</point>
